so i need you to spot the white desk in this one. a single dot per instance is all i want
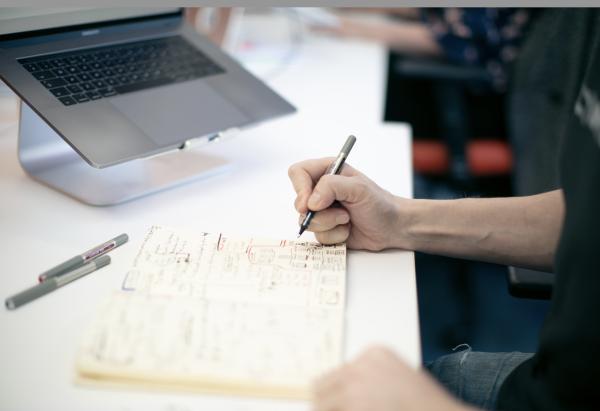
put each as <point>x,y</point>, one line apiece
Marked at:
<point>338,88</point>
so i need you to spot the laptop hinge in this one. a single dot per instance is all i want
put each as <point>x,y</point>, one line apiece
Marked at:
<point>204,140</point>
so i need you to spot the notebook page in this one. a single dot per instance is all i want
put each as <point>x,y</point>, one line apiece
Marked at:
<point>238,268</point>
<point>162,338</point>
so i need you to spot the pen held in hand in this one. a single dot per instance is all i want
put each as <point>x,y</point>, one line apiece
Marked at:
<point>335,169</point>
<point>55,282</point>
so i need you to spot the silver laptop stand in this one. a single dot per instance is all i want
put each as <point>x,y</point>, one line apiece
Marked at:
<point>47,158</point>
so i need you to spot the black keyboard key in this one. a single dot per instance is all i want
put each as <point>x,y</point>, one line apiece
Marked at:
<point>132,68</point>
<point>67,101</point>
<point>96,74</point>
<point>111,82</point>
<point>71,79</point>
<point>119,61</point>
<point>58,63</point>
<point>84,67</point>
<point>45,65</point>
<point>72,70</point>
<point>94,57</point>
<point>108,72</point>
<point>119,70</point>
<point>128,88</point>
<point>59,72</point>
<point>59,91</point>
<point>43,75</point>
<point>80,98</point>
<point>55,82</point>
<point>124,79</point>
<point>87,86</point>
<point>98,84</point>
<point>32,67</point>
<point>107,92</point>
<point>97,65</point>
<point>108,63</point>
<point>70,61</point>
<point>92,95</point>
<point>84,77</point>
<point>73,89</point>
<point>83,58</point>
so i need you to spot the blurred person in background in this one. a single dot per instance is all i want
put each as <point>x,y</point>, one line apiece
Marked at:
<point>485,37</point>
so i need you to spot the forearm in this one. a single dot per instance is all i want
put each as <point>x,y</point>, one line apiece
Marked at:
<point>414,39</point>
<point>518,231</point>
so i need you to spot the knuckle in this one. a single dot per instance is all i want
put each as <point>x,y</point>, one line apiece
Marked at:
<point>293,168</point>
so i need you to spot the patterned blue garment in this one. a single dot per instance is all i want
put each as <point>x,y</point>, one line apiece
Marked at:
<point>484,37</point>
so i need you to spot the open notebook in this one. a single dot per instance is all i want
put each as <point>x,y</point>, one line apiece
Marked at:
<point>222,314</point>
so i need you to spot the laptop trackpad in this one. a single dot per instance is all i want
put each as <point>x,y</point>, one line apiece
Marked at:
<point>179,112</point>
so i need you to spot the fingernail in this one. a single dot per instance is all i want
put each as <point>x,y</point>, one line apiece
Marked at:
<point>314,199</point>
<point>342,219</point>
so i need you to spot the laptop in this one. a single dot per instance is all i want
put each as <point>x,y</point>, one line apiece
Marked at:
<point>119,84</point>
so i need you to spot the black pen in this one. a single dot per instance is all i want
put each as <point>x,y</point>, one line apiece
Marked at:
<point>336,167</point>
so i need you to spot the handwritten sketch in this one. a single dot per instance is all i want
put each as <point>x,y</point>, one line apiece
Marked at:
<point>156,337</point>
<point>238,268</point>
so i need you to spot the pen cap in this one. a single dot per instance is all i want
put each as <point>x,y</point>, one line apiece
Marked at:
<point>122,239</point>
<point>30,294</point>
<point>348,146</point>
<point>102,261</point>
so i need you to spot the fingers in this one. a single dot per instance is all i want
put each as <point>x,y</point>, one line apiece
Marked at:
<point>327,219</point>
<point>335,236</point>
<point>341,188</point>
<point>305,175</point>
<point>328,391</point>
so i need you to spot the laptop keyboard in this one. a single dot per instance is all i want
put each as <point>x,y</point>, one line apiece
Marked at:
<point>82,76</point>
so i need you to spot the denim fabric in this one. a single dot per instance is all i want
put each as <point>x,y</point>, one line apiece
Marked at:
<point>475,377</point>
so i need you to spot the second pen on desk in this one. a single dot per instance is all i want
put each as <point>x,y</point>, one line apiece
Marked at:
<point>53,283</point>
<point>81,259</point>
<point>336,167</point>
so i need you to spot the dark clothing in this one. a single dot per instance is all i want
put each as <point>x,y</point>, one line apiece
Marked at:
<point>484,37</point>
<point>563,374</point>
<point>544,83</point>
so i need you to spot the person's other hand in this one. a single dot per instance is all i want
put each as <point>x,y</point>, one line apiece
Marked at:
<point>351,28</point>
<point>367,217</point>
<point>379,381</point>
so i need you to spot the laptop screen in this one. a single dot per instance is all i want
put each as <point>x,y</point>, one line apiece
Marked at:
<point>24,20</point>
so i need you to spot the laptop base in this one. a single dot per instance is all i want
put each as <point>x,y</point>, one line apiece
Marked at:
<point>45,157</point>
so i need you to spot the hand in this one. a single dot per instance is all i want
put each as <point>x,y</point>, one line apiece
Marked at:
<point>380,381</point>
<point>367,215</point>
<point>411,38</point>
<point>351,28</point>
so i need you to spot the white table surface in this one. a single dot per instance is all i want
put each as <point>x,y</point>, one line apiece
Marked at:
<point>338,88</point>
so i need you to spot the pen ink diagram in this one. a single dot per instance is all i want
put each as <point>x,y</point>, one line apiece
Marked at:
<point>245,268</point>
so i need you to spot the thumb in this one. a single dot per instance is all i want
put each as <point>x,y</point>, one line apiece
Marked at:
<point>336,187</point>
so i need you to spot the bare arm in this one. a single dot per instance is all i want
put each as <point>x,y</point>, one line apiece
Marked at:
<point>412,38</point>
<point>518,231</point>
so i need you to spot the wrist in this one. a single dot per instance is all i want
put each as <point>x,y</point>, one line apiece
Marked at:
<point>405,216</point>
